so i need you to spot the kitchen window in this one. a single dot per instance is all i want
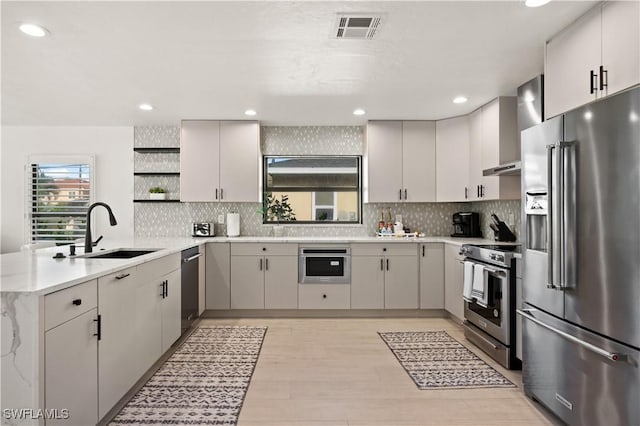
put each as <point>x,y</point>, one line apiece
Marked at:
<point>312,189</point>
<point>60,191</point>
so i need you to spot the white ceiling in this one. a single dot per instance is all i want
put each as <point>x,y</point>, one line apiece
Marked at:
<point>216,59</point>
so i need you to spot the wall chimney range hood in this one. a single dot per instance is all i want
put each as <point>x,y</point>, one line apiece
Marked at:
<point>506,169</point>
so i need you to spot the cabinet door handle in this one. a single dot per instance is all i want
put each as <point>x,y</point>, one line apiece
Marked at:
<point>98,332</point>
<point>592,85</point>
<point>261,264</point>
<point>423,251</point>
<point>166,288</point>
<point>382,264</point>
<point>266,264</point>
<point>405,194</point>
<point>478,191</point>
<point>481,191</point>
<point>77,302</point>
<point>387,264</point>
<point>122,276</point>
<point>466,192</point>
<point>221,194</point>
<point>603,72</point>
<point>400,194</point>
<point>162,289</point>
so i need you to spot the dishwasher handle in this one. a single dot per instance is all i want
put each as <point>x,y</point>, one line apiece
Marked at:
<point>189,259</point>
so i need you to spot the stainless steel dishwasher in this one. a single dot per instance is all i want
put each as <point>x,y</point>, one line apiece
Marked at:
<point>189,278</point>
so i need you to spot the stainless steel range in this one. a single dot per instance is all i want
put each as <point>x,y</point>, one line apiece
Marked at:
<point>490,300</point>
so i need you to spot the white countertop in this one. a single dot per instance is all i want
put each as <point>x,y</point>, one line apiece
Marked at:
<point>37,272</point>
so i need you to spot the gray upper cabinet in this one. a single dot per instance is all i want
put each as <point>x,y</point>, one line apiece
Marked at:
<point>596,56</point>
<point>239,161</point>
<point>419,161</point>
<point>383,165</point>
<point>452,153</point>
<point>199,160</point>
<point>400,161</point>
<point>220,161</point>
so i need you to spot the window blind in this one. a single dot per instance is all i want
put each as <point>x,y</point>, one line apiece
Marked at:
<point>60,196</point>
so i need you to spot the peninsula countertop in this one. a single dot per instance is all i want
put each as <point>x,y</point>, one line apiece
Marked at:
<point>37,272</point>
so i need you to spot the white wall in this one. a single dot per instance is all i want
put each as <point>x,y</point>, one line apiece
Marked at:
<point>112,149</point>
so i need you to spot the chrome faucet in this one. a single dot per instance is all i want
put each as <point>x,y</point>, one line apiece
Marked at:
<point>88,239</point>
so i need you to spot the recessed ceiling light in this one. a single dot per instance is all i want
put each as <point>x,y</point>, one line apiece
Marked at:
<point>536,3</point>
<point>145,107</point>
<point>460,100</point>
<point>250,112</point>
<point>33,30</point>
<point>359,111</point>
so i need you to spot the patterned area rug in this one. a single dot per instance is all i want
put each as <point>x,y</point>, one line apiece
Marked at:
<point>203,383</point>
<point>435,360</point>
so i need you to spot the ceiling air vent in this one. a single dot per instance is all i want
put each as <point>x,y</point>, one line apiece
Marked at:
<point>361,26</point>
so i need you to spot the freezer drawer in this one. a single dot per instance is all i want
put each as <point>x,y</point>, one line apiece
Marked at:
<point>579,385</point>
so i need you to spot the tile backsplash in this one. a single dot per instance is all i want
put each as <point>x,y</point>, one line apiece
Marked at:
<point>174,219</point>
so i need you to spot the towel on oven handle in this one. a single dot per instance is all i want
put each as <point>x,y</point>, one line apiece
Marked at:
<point>479,287</point>
<point>468,281</point>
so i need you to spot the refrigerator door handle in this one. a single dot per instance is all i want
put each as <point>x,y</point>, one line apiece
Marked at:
<point>565,232</point>
<point>613,356</point>
<point>550,219</point>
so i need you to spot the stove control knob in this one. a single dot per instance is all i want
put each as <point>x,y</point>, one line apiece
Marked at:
<point>492,256</point>
<point>500,258</point>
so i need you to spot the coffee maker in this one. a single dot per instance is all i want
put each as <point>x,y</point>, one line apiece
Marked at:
<point>466,224</point>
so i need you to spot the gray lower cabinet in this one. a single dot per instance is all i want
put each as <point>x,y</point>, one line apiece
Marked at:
<point>264,276</point>
<point>367,282</point>
<point>323,296</point>
<point>218,276</point>
<point>71,354</point>
<point>384,276</point>
<point>171,305</point>
<point>431,275</point>
<point>453,281</point>
<point>401,281</point>
<point>281,282</point>
<point>247,282</point>
<point>118,351</point>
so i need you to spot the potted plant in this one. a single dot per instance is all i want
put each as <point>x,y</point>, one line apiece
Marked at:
<point>157,193</point>
<point>277,210</point>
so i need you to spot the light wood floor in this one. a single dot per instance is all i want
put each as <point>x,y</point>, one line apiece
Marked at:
<point>338,372</point>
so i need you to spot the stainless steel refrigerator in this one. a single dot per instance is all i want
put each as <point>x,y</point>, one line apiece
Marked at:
<point>581,262</point>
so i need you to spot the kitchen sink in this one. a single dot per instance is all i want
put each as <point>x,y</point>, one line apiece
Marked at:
<point>119,254</point>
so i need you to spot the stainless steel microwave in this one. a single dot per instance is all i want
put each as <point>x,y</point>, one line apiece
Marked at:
<point>324,265</point>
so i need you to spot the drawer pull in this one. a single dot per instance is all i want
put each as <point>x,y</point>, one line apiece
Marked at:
<point>122,276</point>
<point>324,296</point>
<point>77,302</point>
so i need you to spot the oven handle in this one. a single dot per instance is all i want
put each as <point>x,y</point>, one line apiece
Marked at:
<point>488,269</point>
<point>613,356</point>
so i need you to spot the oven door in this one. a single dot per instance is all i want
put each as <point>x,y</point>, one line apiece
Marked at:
<point>322,266</point>
<point>495,318</point>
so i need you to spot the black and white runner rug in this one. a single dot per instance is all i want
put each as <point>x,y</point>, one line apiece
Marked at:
<point>203,383</point>
<point>435,360</point>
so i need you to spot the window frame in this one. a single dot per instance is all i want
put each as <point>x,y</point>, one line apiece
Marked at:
<point>266,189</point>
<point>29,205</point>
